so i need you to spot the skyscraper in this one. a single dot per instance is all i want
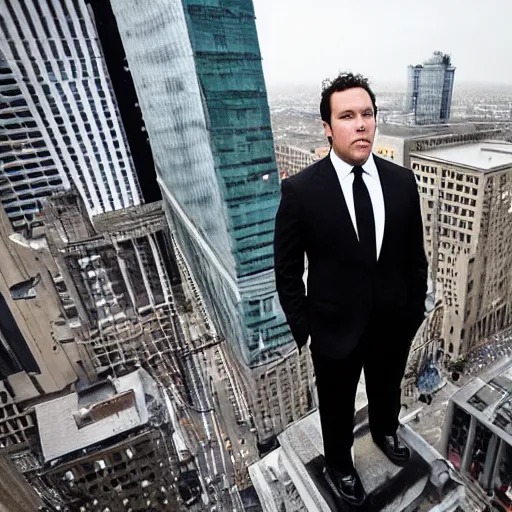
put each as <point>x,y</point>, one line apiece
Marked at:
<point>207,116</point>
<point>58,76</point>
<point>430,88</point>
<point>197,71</point>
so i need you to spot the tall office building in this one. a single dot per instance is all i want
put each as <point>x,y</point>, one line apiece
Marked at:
<point>198,75</point>
<point>65,106</point>
<point>466,194</point>
<point>430,88</point>
<point>476,435</point>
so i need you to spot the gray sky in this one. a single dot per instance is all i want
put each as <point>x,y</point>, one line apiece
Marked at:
<point>304,41</point>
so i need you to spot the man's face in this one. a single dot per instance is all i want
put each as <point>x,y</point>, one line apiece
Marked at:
<point>352,125</point>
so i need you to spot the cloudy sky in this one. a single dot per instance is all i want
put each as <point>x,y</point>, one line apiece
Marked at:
<point>304,41</point>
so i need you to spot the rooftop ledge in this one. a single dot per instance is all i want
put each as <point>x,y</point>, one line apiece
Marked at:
<point>291,477</point>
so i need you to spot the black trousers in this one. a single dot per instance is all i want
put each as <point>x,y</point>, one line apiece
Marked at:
<point>383,357</point>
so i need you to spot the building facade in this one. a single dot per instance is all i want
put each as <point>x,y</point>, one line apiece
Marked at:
<point>28,173</point>
<point>126,96</point>
<point>466,195</point>
<point>291,160</point>
<point>430,89</point>
<point>54,57</point>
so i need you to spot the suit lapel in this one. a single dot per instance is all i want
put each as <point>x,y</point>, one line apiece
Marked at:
<point>332,193</point>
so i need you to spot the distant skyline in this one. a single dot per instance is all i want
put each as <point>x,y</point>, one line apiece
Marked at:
<point>307,41</point>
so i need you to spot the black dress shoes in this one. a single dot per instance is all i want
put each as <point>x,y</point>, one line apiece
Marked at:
<point>347,484</point>
<point>394,450</point>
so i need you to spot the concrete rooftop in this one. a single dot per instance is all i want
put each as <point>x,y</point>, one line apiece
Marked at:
<point>60,433</point>
<point>483,156</point>
<point>413,132</point>
<point>291,477</point>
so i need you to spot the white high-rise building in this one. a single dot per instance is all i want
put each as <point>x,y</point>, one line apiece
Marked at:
<point>52,50</point>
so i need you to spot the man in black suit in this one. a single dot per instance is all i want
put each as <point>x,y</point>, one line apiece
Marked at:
<point>357,219</point>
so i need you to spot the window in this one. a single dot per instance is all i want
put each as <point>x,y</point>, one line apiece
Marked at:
<point>219,39</point>
<point>268,305</point>
<point>458,436</point>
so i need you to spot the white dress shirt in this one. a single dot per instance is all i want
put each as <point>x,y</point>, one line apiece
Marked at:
<point>372,182</point>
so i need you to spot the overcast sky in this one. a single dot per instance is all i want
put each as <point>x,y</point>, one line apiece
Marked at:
<point>304,41</point>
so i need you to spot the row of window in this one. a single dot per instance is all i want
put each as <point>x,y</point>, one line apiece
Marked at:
<point>456,198</point>
<point>459,188</point>
<point>457,210</point>
<point>445,185</point>
<point>460,176</point>
<point>446,173</point>
<point>454,221</point>
<point>456,235</point>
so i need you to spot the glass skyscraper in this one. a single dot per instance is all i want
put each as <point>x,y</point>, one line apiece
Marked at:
<point>430,88</point>
<point>197,70</point>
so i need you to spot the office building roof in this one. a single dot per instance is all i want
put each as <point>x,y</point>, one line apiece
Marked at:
<point>484,156</point>
<point>79,420</point>
<point>411,132</point>
<point>292,475</point>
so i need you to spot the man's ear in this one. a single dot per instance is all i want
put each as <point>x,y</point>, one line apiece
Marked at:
<point>328,131</point>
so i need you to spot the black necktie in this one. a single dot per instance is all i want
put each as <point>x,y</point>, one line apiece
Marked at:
<point>364,216</point>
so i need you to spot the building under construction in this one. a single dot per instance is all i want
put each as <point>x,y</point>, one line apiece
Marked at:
<point>114,283</point>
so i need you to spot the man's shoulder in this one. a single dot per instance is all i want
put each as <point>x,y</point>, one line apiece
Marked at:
<point>309,173</point>
<point>396,170</point>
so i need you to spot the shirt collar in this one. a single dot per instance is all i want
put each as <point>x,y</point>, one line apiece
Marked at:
<point>343,169</point>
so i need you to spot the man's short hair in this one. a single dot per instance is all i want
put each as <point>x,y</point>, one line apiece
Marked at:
<point>342,82</point>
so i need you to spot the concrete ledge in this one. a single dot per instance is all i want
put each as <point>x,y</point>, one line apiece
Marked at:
<point>389,487</point>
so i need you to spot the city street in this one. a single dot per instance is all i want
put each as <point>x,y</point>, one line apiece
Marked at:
<point>214,399</point>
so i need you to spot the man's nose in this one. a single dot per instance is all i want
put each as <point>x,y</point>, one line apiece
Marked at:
<point>363,123</point>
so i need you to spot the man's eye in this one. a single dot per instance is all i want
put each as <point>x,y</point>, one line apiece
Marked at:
<point>346,116</point>
<point>368,114</point>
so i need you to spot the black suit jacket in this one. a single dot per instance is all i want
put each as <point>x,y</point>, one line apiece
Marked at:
<point>345,292</point>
